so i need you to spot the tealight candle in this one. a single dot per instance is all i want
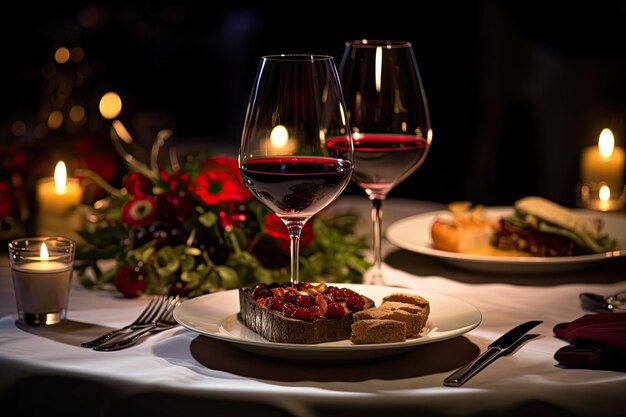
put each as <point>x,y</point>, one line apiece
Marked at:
<point>42,283</point>
<point>57,200</point>
<point>603,163</point>
<point>600,197</point>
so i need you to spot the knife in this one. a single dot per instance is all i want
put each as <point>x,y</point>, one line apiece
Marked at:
<point>493,351</point>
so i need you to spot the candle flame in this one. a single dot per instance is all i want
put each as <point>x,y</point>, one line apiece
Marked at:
<point>378,68</point>
<point>43,253</point>
<point>606,143</point>
<point>279,136</point>
<point>604,193</point>
<point>60,177</point>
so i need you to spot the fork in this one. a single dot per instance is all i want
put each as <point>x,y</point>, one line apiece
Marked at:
<point>156,308</point>
<point>165,322</point>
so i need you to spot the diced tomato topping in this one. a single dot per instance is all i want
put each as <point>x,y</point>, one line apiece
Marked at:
<point>346,292</point>
<point>290,302</point>
<point>278,291</point>
<point>355,303</point>
<point>302,313</point>
<point>288,309</point>
<point>291,297</point>
<point>260,291</point>
<point>335,310</point>
<point>304,301</point>
<point>334,291</point>
<point>275,303</point>
<point>320,301</point>
<point>316,311</point>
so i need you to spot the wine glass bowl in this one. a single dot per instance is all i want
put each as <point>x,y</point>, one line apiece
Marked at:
<point>296,153</point>
<point>390,121</point>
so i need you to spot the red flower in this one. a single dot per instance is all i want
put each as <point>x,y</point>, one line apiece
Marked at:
<point>137,185</point>
<point>213,187</point>
<point>139,212</point>
<point>130,281</point>
<point>275,228</point>
<point>176,183</point>
<point>219,180</point>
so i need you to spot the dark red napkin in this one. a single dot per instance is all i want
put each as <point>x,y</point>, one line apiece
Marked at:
<point>597,341</point>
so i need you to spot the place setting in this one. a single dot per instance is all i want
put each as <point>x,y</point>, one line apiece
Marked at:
<point>203,296</point>
<point>198,251</point>
<point>296,188</point>
<point>235,275</point>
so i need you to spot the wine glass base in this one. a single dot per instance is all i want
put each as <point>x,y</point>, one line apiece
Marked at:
<point>373,277</point>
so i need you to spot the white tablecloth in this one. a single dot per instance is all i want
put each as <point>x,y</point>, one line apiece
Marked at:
<point>179,369</point>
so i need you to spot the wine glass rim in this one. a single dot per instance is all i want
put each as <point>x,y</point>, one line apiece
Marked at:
<point>374,43</point>
<point>297,57</point>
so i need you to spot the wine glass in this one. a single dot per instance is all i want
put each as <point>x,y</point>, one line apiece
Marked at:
<point>390,122</point>
<point>296,153</point>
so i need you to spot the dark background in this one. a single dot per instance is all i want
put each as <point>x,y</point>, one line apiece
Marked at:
<point>515,89</point>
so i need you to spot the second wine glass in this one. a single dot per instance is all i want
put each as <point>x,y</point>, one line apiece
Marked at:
<point>296,153</point>
<point>390,122</point>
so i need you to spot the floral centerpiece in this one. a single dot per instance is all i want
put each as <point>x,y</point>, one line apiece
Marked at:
<point>193,228</point>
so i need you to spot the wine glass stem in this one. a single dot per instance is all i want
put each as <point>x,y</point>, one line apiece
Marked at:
<point>377,222</point>
<point>294,249</point>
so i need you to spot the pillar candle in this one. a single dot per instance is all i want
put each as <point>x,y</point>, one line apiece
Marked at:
<point>57,199</point>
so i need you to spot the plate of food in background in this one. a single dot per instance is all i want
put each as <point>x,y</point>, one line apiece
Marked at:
<point>534,235</point>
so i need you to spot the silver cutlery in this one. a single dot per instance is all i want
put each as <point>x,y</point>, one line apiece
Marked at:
<point>165,322</point>
<point>494,350</point>
<point>155,309</point>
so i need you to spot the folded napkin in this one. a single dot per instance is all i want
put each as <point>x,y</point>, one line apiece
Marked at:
<point>597,341</point>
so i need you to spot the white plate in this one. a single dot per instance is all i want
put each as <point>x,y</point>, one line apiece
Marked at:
<point>215,315</point>
<point>414,234</point>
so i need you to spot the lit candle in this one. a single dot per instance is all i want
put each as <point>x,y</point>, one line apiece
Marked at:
<point>603,163</point>
<point>57,200</point>
<point>279,142</point>
<point>42,288</point>
<point>42,263</point>
<point>605,195</point>
<point>600,197</point>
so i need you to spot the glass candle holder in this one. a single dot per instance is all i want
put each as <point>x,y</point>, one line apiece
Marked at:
<point>597,196</point>
<point>42,268</point>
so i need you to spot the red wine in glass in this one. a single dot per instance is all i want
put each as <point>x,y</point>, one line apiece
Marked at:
<point>296,187</point>
<point>381,161</point>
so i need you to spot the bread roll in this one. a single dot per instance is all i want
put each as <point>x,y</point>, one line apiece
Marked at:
<point>378,331</point>
<point>410,299</point>
<point>414,321</point>
<point>468,231</point>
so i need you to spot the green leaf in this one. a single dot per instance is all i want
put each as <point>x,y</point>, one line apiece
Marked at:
<point>191,251</point>
<point>208,219</point>
<point>188,262</point>
<point>193,278</point>
<point>230,278</point>
<point>167,261</point>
